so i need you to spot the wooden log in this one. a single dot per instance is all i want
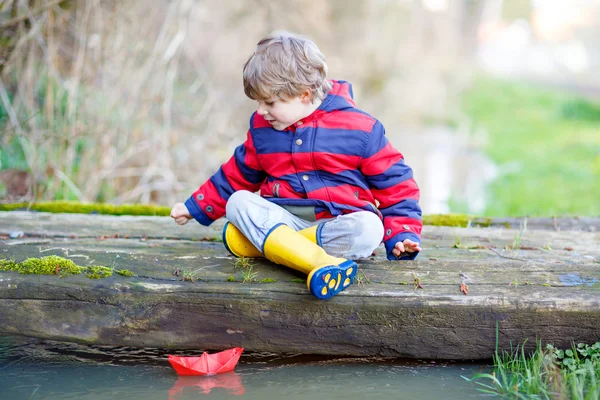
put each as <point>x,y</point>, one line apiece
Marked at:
<point>89,225</point>
<point>546,286</point>
<point>586,224</point>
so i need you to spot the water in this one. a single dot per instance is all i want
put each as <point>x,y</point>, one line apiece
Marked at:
<point>31,369</point>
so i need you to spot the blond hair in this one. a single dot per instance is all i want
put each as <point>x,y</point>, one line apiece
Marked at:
<point>283,66</point>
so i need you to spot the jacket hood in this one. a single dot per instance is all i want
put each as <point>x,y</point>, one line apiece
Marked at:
<point>340,97</point>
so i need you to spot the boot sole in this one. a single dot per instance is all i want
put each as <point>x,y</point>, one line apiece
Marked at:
<point>326,282</point>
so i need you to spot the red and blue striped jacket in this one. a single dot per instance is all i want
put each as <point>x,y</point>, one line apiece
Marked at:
<point>336,160</point>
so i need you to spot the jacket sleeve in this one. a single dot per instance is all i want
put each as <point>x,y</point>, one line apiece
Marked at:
<point>241,172</point>
<point>392,184</point>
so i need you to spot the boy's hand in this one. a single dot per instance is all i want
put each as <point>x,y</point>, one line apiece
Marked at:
<point>180,214</point>
<point>406,246</point>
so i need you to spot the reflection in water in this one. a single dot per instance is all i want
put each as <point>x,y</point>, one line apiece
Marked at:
<point>230,381</point>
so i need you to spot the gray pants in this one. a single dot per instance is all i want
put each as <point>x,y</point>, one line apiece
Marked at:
<point>351,236</point>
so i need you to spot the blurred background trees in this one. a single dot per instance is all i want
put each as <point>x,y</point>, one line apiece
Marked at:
<point>491,101</point>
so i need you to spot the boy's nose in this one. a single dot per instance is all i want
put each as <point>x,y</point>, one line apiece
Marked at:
<point>261,111</point>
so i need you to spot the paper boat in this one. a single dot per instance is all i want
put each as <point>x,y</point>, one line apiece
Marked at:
<point>207,364</point>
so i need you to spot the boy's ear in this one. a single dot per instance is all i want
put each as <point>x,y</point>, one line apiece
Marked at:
<point>306,97</point>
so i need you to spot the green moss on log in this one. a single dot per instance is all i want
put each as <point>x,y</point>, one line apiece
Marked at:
<point>70,207</point>
<point>446,220</point>
<point>7,265</point>
<point>98,272</point>
<point>55,265</point>
<point>459,220</point>
<point>49,265</point>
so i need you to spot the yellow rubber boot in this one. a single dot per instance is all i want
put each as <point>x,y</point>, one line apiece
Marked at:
<point>310,233</point>
<point>239,245</point>
<point>327,275</point>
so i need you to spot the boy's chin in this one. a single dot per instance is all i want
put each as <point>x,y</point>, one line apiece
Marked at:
<point>279,126</point>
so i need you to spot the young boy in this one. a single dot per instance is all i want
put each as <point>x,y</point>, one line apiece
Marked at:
<point>331,185</point>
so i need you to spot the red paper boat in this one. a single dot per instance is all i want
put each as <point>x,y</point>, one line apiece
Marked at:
<point>207,364</point>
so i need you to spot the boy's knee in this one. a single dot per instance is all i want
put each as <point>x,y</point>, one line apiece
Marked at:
<point>370,231</point>
<point>237,201</point>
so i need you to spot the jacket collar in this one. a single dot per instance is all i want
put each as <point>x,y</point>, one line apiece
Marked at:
<point>340,97</point>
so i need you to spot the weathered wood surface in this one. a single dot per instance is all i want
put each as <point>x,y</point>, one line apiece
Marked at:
<point>87,225</point>
<point>588,224</point>
<point>548,288</point>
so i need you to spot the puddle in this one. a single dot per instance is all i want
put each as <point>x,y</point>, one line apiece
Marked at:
<point>577,280</point>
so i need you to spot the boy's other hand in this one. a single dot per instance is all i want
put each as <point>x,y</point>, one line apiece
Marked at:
<point>180,214</point>
<point>407,246</point>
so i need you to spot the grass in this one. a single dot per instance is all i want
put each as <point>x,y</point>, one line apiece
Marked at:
<point>242,263</point>
<point>517,240</point>
<point>246,268</point>
<point>456,240</point>
<point>362,279</point>
<point>546,143</point>
<point>249,275</point>
<point>547,373</point>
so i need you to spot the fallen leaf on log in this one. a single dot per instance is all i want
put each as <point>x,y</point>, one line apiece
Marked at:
<point>464,288</point>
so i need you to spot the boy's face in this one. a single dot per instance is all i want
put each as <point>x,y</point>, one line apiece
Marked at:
<point>283,113</point>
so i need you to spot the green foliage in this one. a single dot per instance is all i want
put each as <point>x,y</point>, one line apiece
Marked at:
<point>362,278</point>
<point>72,207</point>
<point>577,357</point>
<point>268,280</point>
<point>516,244</point>
<point>546,144</point>
<point>188,276</point>
<point>7,265</point>
<point>298,280</point>
<point>249,275</point>
<point>230,278</point>
<point>98,272</point>
<point>55,265</point>
<point>456,239</point>
<point>544,374</point>
<point>580,109</point>
<point>242,263</point>
<point>3,111</point>
<point>446,220</point>
<point>49,265</point>
<point>11,152</point>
